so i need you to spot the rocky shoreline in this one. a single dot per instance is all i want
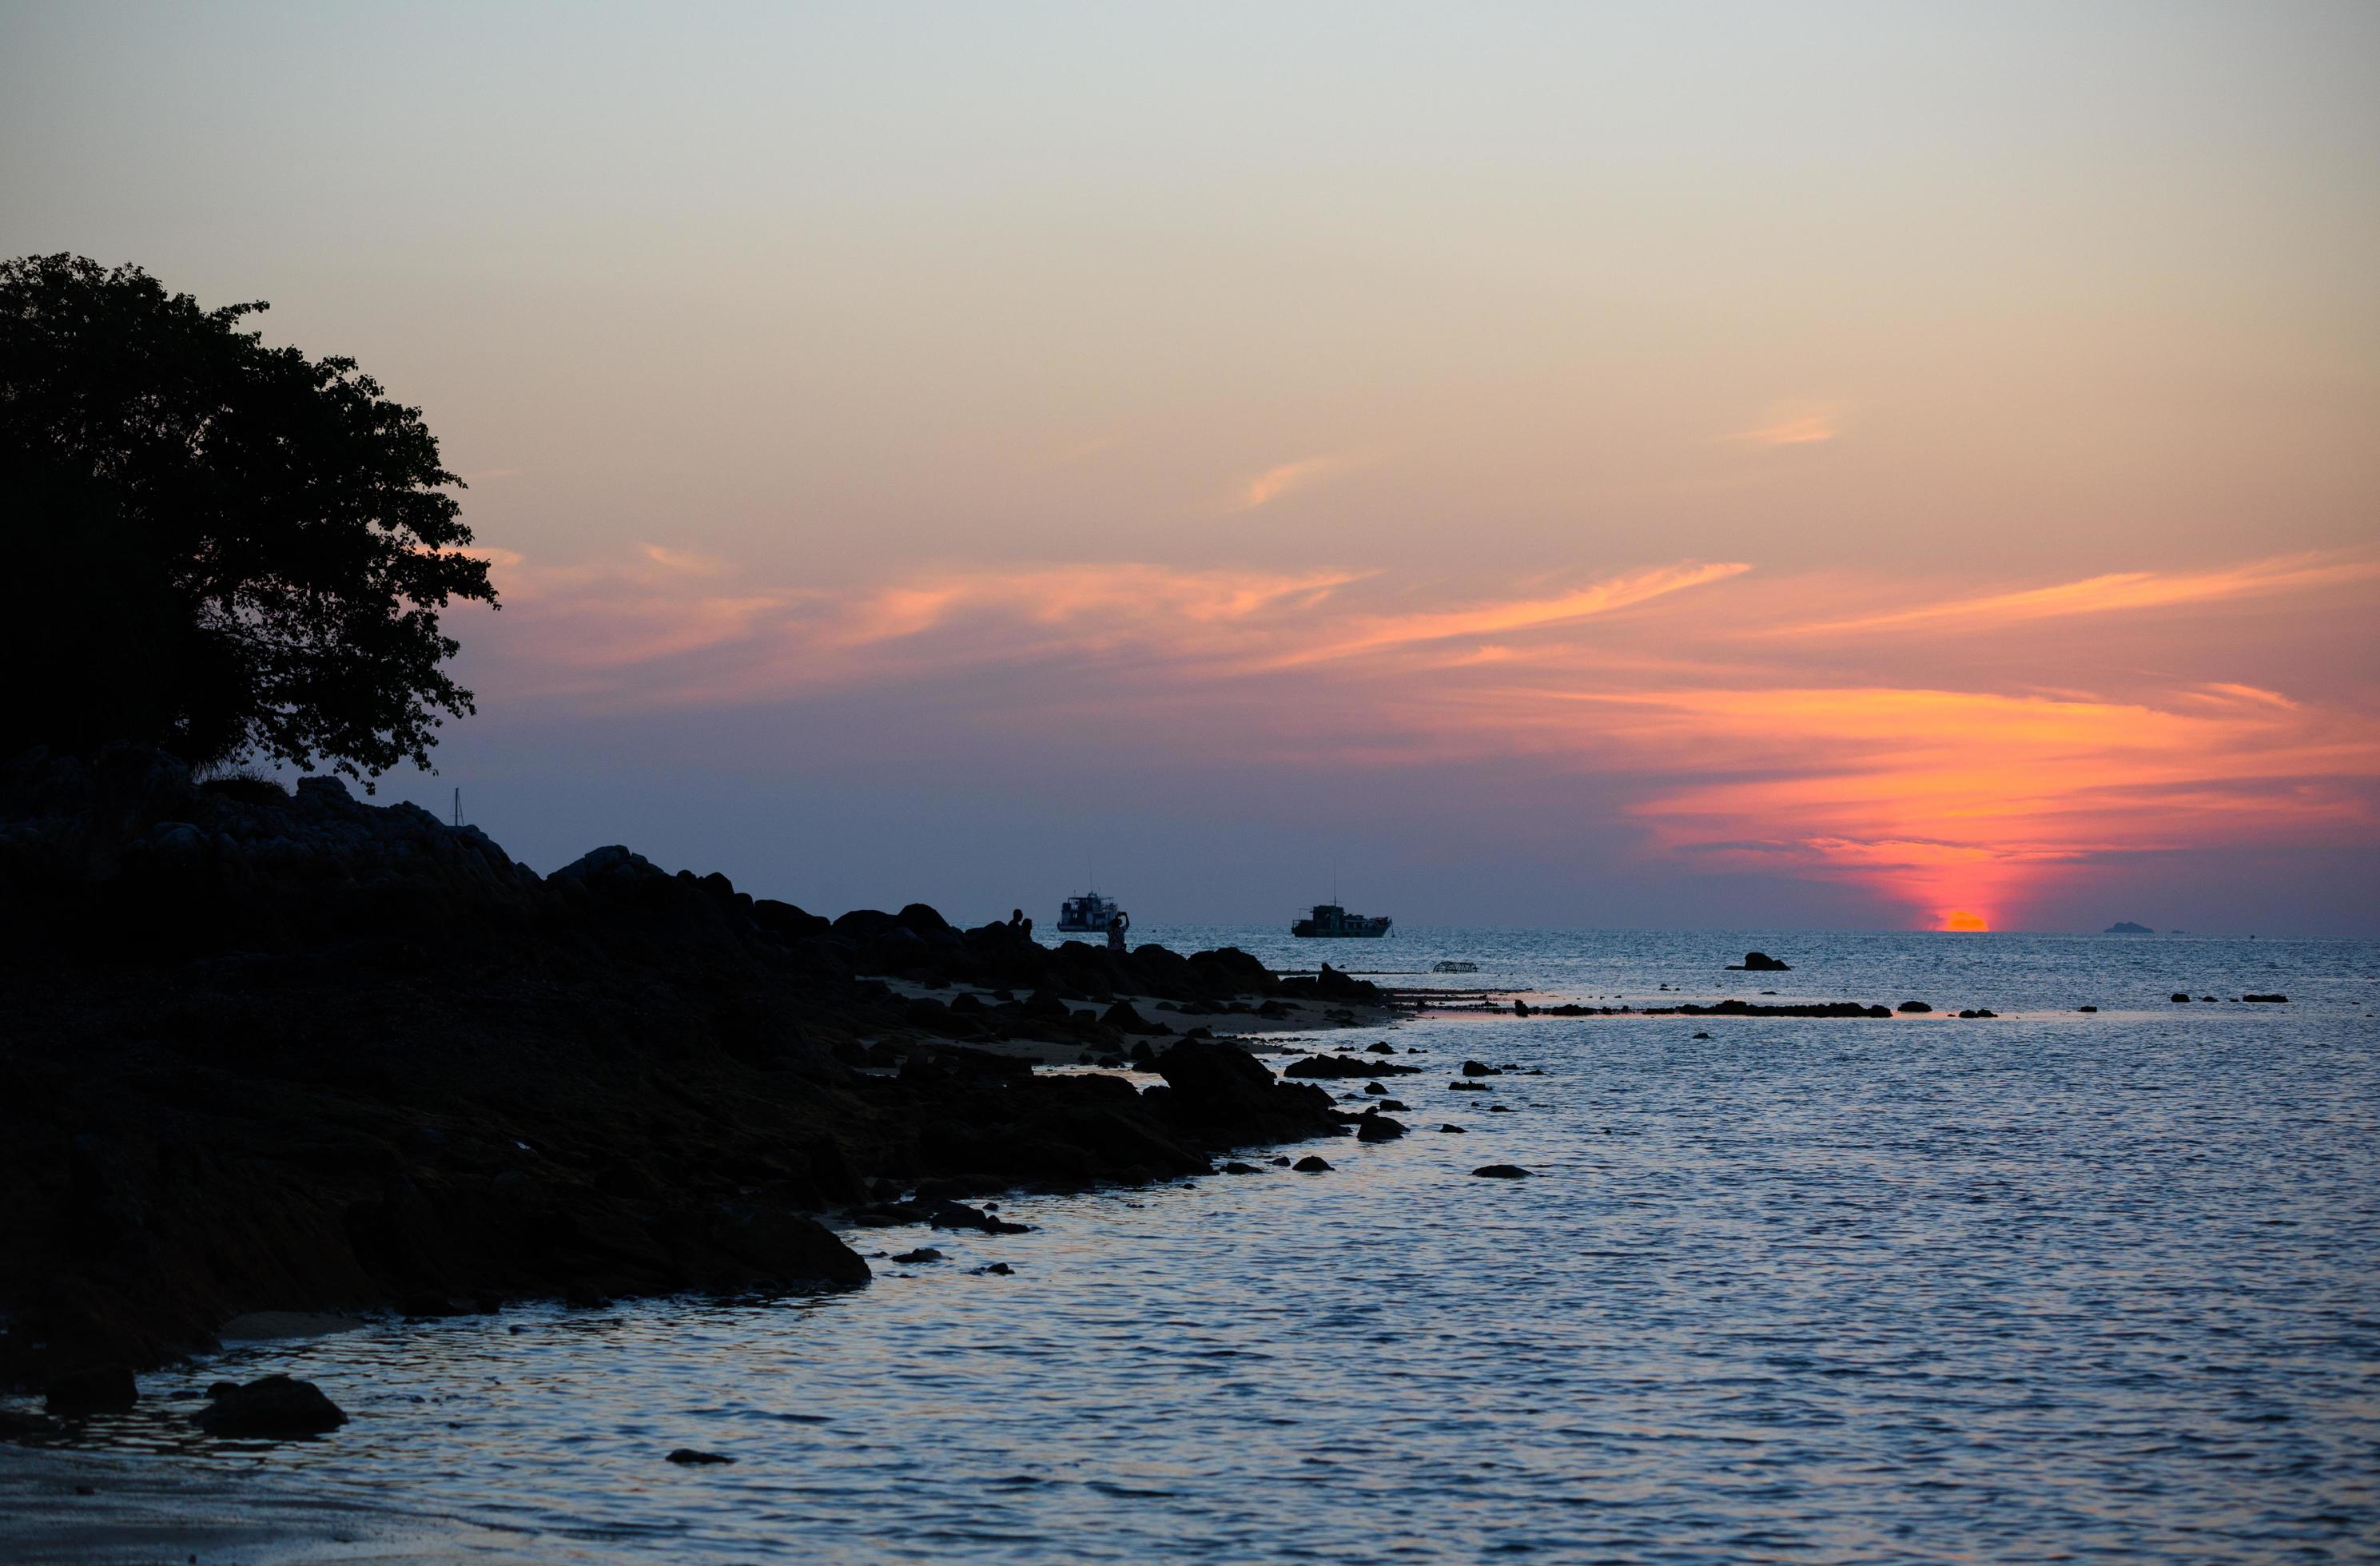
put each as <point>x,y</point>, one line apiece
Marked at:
<point>277,1052</point>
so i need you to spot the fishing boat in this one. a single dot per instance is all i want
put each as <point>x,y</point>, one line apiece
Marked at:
<point>1088,913</point>
<point>1328,918</point>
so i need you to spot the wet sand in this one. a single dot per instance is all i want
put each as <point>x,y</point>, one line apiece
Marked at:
<point>81,1508</point>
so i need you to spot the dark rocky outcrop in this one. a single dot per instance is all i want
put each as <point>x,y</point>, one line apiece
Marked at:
<point>688,1457</point>
<point>276,1408</point>
<point>1914,1008</point>
<point>1330,1066</point>
<point>1753,1009</point>
<point>1759,962</point>
<point>296,1051</point>
<point>1310,1164</point>
<point>1500,1172</point>
<point>2268,999</point>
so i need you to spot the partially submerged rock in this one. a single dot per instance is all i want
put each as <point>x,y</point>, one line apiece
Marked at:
<point>1759,962</point>
<point>276,1408</point>
<point>1500,1172</point>
<point>1330,1066</point>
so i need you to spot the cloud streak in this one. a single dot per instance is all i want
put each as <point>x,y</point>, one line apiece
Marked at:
<point>1805,428</point>
<point>1275,482</point>
<point>2111,593</point>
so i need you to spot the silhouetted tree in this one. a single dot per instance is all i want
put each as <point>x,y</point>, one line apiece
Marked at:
<point>217,547</point>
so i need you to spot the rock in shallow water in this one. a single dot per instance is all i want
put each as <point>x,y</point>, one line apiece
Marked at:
<point>1309,1164</point>
<point>16,1425</point>
<point>922,1254</point>
<point>274,1408</point>
<point>105,1388</point>
<point>1500,1172</point>
<point>686,1457</point>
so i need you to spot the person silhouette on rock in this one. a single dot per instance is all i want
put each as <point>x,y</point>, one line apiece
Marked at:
<point>1118,923</point>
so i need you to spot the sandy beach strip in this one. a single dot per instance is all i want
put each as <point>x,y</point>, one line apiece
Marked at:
<point>59,1507</point>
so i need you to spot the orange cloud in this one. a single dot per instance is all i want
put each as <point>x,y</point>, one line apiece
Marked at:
<point>1968,800</point>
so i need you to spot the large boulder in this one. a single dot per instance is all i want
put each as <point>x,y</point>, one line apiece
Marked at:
<point>1227,1093</point>
<point>613,866</point>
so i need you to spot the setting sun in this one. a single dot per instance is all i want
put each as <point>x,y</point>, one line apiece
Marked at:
<point>1958,918</point>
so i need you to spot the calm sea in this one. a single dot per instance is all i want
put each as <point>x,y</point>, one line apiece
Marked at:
<point>2051,1286</point>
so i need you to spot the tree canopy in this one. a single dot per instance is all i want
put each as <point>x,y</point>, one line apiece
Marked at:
<point>221,548</point>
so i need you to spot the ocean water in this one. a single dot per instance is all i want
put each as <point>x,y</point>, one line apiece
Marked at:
<point>2052,1286</point>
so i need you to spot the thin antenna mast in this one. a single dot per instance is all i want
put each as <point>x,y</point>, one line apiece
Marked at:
<point>458,806</point>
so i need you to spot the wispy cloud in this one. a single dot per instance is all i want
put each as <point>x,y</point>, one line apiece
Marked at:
<point>1374,634</point>
<point>1806,427</point>
<point>684,560</point>
<point>2110,593</point>
<point>1275,482</point>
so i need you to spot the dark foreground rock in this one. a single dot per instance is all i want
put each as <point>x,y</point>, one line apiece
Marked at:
<point>277,1407</point>
<point>1500,1172</point>
<point>277,1052</point>
<point>91,1389</point>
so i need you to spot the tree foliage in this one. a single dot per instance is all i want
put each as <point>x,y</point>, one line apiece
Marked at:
<point>221,548</point>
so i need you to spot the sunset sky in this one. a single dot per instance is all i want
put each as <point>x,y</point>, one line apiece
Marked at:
<point>1747,467</point>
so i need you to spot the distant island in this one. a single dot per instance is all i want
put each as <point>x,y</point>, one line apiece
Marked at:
<point>2126,927</point>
